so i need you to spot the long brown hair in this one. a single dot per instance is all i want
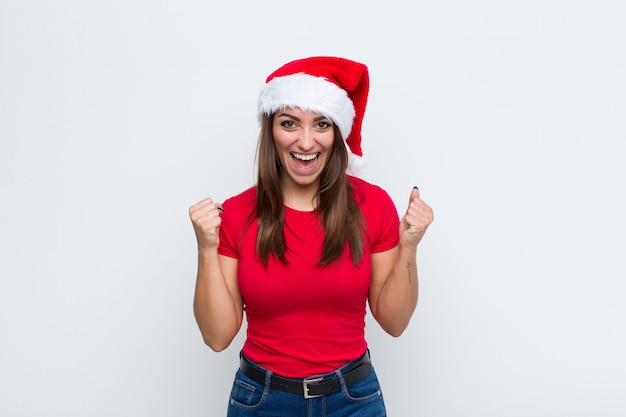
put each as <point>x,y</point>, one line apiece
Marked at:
<point>341,217</point>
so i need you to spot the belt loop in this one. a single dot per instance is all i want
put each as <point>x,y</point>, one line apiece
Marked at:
<point>268,381</point>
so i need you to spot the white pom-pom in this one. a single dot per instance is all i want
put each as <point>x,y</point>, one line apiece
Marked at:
<point>356,164</point>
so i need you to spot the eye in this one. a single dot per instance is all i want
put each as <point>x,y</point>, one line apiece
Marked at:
<point>324,124</point>
<point>289,124</point>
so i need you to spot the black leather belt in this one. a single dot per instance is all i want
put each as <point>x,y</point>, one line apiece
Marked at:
<point>310,387</point>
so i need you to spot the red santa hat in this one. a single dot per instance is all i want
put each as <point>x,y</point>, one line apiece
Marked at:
<point>334,87</point>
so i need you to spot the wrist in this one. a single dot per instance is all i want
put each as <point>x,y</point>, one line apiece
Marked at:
<point>407,251</point>
<point>207,252</point>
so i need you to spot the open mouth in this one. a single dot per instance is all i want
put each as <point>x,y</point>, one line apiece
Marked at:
<point>305,162</point>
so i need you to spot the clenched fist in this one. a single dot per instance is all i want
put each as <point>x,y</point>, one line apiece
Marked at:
<point>415,221</point>
<point>206,220</point>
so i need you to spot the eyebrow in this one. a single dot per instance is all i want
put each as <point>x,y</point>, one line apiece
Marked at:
<point>286,114</point>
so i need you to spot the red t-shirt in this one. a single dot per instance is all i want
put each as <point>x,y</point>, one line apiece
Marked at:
<point>305,320</point>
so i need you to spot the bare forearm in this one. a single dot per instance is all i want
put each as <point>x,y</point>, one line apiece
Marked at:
<point>398,298</point>
<point>217,313</point>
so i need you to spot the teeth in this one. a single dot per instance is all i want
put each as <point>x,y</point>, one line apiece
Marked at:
<point>304,157</point>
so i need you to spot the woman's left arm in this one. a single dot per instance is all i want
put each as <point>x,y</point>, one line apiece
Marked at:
<point>394,287</point>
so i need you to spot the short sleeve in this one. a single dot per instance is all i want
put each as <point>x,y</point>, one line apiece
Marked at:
<point>235,219</point>
<point>228,242</point>
<point>386,223</point>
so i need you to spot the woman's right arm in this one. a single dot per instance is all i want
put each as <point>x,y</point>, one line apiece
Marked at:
<point>217,305</point>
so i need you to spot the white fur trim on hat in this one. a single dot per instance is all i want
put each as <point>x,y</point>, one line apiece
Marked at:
<point>309,93</point>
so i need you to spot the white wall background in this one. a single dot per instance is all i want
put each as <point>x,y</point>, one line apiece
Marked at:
<point>116,116</point>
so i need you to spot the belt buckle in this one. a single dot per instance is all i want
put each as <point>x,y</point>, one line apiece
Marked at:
<point>305,387</point>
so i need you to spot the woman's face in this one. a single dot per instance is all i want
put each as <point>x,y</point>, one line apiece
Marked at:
<point>303,140</point>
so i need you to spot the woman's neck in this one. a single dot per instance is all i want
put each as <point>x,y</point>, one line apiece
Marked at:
<point>299,197</point>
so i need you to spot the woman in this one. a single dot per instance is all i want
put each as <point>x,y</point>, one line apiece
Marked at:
<point>304,250</point>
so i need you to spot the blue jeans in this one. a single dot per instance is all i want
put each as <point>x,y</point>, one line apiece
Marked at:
<point>250,399</point>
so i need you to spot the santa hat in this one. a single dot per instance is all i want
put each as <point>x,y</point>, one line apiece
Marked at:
<point>336,88</point>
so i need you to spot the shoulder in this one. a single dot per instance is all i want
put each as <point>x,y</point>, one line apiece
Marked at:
<point>240,206</point>
<point>365,192</point>
<point>379,212</point>
<point>242,201</point>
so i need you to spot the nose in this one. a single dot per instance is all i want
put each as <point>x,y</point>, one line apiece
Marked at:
<point>306,141</point>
